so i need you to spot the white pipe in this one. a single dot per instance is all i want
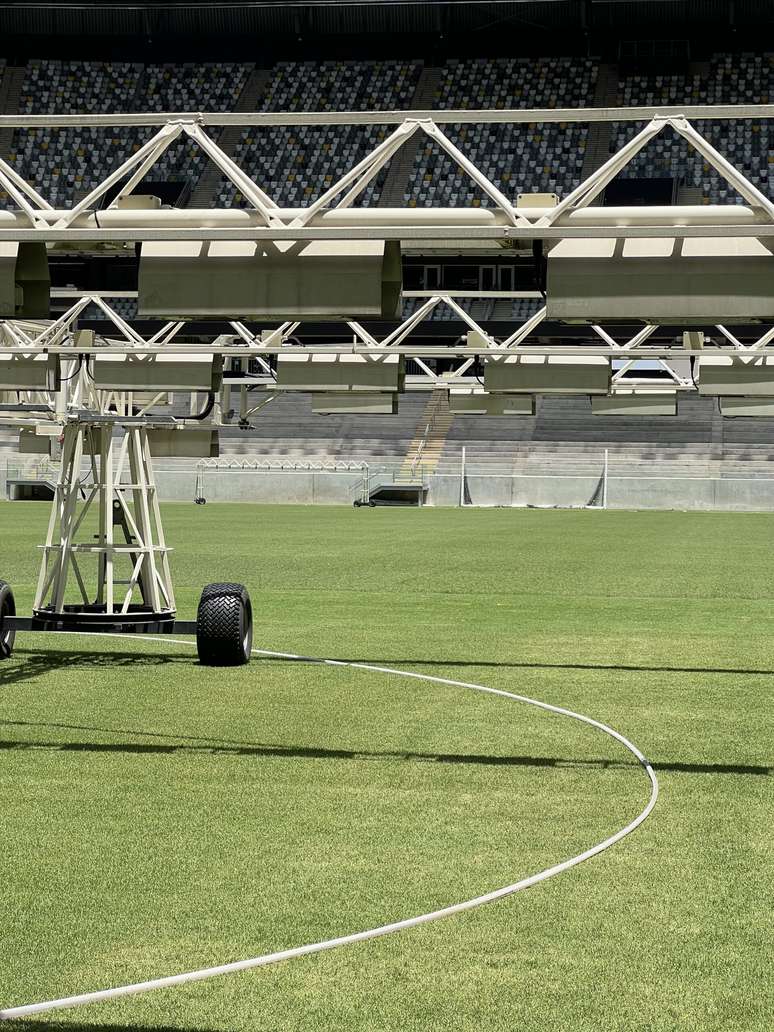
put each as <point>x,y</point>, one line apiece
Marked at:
<point>411,218</point>
<point>439,116</point>
<point>604,482</point>
<point>395,926</point>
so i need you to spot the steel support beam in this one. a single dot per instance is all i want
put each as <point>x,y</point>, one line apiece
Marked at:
<point>466,116</point>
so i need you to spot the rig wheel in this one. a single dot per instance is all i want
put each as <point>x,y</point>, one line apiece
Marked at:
<point>224,625</point>
<point>7,608</point>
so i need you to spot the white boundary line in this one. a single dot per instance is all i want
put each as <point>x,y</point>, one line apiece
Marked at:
<point>264,960</point>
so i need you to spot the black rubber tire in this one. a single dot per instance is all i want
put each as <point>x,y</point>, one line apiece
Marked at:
<point>7,608</point>
<point>224,625</point>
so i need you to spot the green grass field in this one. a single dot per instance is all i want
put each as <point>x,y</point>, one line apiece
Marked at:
<point>157,816</point>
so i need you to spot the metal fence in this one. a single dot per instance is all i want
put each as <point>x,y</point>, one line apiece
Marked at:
<point>590,483</point>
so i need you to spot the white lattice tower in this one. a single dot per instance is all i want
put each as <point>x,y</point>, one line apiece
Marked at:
<point>119,489</point>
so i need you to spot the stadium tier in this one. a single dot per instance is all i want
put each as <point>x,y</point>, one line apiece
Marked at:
<point>482,310</point>
<point>563,437</point>
<point>517,158</point>
<point>64,164</point>
<point>727,79</point>
<point>296,164</point>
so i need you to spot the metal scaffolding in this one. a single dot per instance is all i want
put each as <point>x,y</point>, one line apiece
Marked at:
<point>132,574</point>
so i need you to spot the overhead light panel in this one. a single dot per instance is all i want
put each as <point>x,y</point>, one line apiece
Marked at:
<point>355,404</point>
<point>547,374</point>
<point>174,372</point>
<point>340,373</point>
<point>29,372</point>
<point>736,375</point>
<point>242,279</point>
<point>631,403</point>
<point>472,401</point>
<point>664,280</point>
<point>25,284</point>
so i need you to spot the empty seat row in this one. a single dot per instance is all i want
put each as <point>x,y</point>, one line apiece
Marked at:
<point>295,164</point>
<point>66,163</point>
<point>517,157</point>
<point>728,79</point>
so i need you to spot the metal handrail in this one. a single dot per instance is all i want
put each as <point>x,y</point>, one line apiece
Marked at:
<point>421,447</point>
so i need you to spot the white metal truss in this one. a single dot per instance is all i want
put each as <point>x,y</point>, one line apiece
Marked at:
<point>60,337</point>
<point>117,503</point>
<point>332,215</point>
<point>110,517</point>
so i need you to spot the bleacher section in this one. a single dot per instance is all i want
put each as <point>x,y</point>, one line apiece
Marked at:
<point>287,431</point>
<point>480,309</point>
<point>206,86</point>
<point>564,438</point>
<point>295,164</point>
<point>64,164</point>
<point>517,158</point>
<point>730,79</point>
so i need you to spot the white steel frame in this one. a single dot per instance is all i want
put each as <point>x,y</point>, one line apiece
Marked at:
<point>78,393</point>
<point>122,477</point>
<point>331,215</point>
<point>85,412</point>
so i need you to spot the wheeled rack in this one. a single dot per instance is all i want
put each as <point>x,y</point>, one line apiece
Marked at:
<point>117,499</point>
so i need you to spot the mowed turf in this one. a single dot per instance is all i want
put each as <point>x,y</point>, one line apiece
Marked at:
<point>157,816</point>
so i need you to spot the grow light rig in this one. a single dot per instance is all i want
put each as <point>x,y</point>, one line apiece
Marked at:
<point>692,265</point>
<point>109,518</point>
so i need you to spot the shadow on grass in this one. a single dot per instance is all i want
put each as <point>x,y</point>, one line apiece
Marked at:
<point>485,664</point>
<point>36,663</point>
<point>39,663</point>
<point>61,1026</point>
<point>227,747</point>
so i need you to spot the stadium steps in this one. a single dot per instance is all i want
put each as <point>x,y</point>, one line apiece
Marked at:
<point>402,164</point>
<point>565,437</point>
<point>598,140</point>
<point>10,94</point>
<point>424,452</point>
<point>204,193</point>
<point>288,431</point>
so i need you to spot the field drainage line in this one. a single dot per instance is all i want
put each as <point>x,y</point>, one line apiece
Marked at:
<point>166,982</point>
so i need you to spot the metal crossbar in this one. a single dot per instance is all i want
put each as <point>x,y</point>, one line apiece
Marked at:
<point>464,116</point>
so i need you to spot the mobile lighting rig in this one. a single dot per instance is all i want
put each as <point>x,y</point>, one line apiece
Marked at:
<point>688,265</point>
<point>105,561</point>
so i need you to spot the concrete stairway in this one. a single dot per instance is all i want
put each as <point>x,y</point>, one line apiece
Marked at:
<point>287,431</point>
<point>565,437</point>
<point>424,452</point>
<point>402,164</point>
<point>10,93</point>
<point>204,193</point>
<point>598,139</point>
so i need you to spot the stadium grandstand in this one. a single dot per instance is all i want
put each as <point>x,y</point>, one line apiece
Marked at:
<point>412,57</point>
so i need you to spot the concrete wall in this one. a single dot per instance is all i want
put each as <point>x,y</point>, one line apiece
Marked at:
<point>308,487</point>
<point>286,487</point>
<point>725,493</point>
